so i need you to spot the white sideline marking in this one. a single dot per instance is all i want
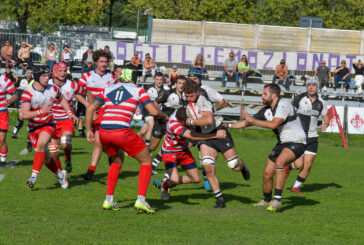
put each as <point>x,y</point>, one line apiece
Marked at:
<point>2,176</point>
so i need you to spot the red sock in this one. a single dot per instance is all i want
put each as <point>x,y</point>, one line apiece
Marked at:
<point>3,154</point>
<point>165,185</point>
<point>38,161</point>
<point>112,178</point>
<point>67,155</point>
<point>51,165</point>
<point>144,177</point>
<point>92,168</point>
<point>58,164</point>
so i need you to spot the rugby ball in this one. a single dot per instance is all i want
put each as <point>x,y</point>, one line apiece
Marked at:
<point>193,111</point>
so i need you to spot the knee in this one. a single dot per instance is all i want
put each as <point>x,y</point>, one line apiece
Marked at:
<point>196,179</point>
<point>267,174</point>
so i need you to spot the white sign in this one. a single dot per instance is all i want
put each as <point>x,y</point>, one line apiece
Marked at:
<point>265,60</point>
<point>355,120</point>
<point>333,127</point>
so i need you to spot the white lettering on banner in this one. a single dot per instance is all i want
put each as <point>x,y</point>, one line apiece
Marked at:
<point>333,127</point>
<point>265,60</point>
<point>355,120</point>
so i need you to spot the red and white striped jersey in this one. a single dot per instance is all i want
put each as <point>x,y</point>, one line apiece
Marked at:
<point>38,98</point>
<point>174,141</point>
<point>120,101</point>
<point>68,89</point>
<point>96,83</point>
<point>6,87</point>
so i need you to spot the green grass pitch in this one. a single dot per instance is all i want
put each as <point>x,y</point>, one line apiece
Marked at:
<point>330,211</point>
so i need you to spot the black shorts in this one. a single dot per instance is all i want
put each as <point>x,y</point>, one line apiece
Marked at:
<point>159,129</point>
<point>80,110</point>
<point>312,146</point>
<point>145,113</point>
<point>297,148</point>
<point>220,145</point>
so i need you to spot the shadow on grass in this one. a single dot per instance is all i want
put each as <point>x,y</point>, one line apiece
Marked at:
<point>318,186</point>
<point>295,201</point>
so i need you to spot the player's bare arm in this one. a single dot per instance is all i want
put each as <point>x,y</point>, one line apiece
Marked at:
<point>206,119</point>
<point>198,136</point>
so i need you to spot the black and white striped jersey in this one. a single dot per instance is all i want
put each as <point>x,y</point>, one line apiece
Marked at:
<point>291,129</point>
<point>309,112</point>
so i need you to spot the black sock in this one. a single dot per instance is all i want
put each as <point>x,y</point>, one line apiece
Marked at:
<point>267,196</point>
<point>157,159</point>
<point>147,142</point>
<point>277,194</point>
<point>300,179</point>
<point>204,174</point>
<point>218,194</point>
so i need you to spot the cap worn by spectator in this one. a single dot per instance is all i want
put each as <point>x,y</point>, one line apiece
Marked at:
<point>91,46</point>
<point>283,62</point>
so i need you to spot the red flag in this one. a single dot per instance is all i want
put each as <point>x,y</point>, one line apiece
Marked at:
<point>333,115</point>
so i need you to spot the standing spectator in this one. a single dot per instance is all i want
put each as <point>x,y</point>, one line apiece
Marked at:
<point>87,61</point>
<point>11,75</point>
<point>342,74</point>
<point>149,66</point>
<point>111,63</point>
<point>173,74</point>
<point>135,61</point>
<point>66,57</point>
<point>281,73</point>
<point>51,56</point>
<point>324,75</point>
<point>24,56</point>
<point>198,65</point>
<point>7,53</point>
<point>359,75</point>
<point>244,68</point>
<point>230,69</point>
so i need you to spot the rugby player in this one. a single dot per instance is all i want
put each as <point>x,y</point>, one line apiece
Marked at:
<point>175,152</point>
<point>6,87</point>
<point>309,107</point>
<point>280,116</point>
<point>36,106</point>
<point>121,101</point>
<point>64,125</point>
<point>210,148</point>
<point>95,82</point>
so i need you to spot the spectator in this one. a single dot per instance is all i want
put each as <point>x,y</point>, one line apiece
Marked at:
<point>7,53</point>
<point>244,68</point>
<point>148,66</point>
<point>342,74</point>
<point>87,61</point>
<point>66,57</point>
<point>230,69</point>
<point>281,73</point>
<point>198,65</point>
<point>173,74</point>
<point>111,62</point>
<point>51,56</point>
<point>359,75</point>
<point>24,55</point>
<point>135,61</point>
<point>324,75</point>
<point>11,75</point>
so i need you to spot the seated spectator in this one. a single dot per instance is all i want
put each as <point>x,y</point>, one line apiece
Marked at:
<point>11,75</point>
<point>173,74</point>
<point>324,75</point>
<point>7,53</point>
<point>198,65</point>
<point>148,66</point>
<point>51,55</point>
<point>66,57</point>
<point>281,72</point>
<point>230,69</point>
<point>135,61</point>
<point>342,74</point>
<point>359,75</point>
<point>24,56</point>
<point>111,61</point>
<point>244,68</point>
<point>87,60</point>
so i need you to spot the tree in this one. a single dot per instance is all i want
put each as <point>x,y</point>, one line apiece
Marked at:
<point>49,14</point>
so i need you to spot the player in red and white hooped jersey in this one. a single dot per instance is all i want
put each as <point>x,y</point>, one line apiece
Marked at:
<point>6,87</point>
<point>175,152</point>
<point>64,125</point>
<point>120,101</point>
<point>95,82</point>
<point>36,106</point>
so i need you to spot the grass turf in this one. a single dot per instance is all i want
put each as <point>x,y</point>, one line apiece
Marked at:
<point>329,212</point>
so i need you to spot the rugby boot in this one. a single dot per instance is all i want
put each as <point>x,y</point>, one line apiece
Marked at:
<point>274,206</point>
<point>296,190</point>
<point>165,192</point>
<point>110,206</point>
<point>31,182</point>
<point>29,146</point>
<point>261,203</point>
<point>88,175</point>
<point>220,203</point>
<point>144,207</point>
<point>2,164</point>
<point>63,179</point>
